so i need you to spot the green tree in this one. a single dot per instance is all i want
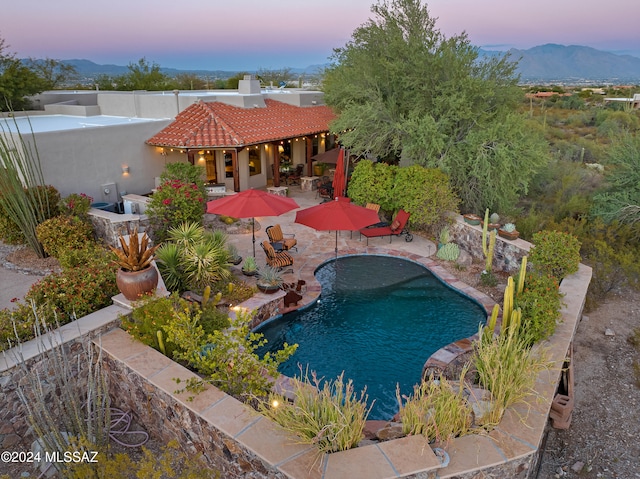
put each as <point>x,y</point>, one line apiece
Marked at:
<point>404,90</point>
<point>620,199</point>
<point>53,74</point>
<point>17,81</point>
<point>274,77</point>
<point>143,76</point>
<point>189,81</point>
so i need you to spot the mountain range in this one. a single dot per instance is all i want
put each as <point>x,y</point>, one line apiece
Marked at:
<point>544,63</point>
<point>574,62</point>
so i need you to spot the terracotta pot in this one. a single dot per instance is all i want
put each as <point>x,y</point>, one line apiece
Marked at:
<point>135,284</point>
<point>267,288</point>
<point>491,226</point>
<point>508,235</point>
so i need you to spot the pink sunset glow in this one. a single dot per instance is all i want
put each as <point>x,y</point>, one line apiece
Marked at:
<point>248,34</point>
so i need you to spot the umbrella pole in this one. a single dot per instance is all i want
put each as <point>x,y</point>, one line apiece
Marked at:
<point>336,243</point>
<point>253,235</point>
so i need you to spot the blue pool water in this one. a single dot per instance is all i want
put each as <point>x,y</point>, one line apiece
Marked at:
<point>379,319</point>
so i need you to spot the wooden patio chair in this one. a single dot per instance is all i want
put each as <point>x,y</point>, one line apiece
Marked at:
<point>279,240</point>
<point>277,259</point>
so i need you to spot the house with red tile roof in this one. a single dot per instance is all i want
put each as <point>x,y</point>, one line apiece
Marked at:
<point>242,146</point>
<point>106,143</point>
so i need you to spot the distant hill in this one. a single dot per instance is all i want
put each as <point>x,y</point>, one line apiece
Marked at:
<point>559,62</point>
<point>544,63</point>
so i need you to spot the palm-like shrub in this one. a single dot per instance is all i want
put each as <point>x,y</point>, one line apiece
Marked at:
<point>193,258</point>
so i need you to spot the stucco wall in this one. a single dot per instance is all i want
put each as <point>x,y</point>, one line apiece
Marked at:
<point>80,161</point>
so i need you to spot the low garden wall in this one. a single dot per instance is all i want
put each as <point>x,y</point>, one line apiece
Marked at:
<point>108,225</point>
<point>15,432</point>
<point>507,254</point>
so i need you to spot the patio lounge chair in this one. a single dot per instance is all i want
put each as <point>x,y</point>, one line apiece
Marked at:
<point>397,227</point>
<point>277,259</point>
<point>278,240</point>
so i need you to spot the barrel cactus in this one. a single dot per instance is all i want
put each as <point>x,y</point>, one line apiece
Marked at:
<point>449,252</point>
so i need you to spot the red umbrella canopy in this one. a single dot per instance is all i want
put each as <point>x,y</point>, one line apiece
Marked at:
<point>252,203</point>
<point>337,215</point>
<point>338,178</point>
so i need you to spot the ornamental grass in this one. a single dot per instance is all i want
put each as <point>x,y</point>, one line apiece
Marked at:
<point>331,417</point>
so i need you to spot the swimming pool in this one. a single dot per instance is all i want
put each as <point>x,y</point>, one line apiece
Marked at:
<point>379,318</point>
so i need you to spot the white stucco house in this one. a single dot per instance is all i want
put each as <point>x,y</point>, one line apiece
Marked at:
<point>106,144</point>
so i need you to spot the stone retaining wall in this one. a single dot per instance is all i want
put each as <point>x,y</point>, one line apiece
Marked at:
<point>109,225</point>
<point>507,254</point>
<point>15,434</point>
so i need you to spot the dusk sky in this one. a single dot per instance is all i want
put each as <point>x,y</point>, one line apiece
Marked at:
<point>252,34</point>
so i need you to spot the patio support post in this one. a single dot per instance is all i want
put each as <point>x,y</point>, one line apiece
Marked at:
<point>276,165</point>
<point>236,173</point>
<point>309,161</point>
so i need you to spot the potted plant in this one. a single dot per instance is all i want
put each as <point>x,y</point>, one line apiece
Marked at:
<point>472,219</point>
<point>234,256</point>
<point>508,231</point>
<point>318,168</point>
<point>269,279</point>
<point>136,275</point>
<point>250,267</point>
<point>494,222</point>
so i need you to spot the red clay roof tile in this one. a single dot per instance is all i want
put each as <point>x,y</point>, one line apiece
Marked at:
<point>216,125</point>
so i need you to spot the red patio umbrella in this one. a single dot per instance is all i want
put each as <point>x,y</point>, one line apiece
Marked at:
<point>339,176</point>
<point>252,203</point>
<point>337,215</point>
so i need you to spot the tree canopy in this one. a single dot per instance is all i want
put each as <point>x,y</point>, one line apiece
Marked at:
<point>16,80</point>
<point>406,92</point>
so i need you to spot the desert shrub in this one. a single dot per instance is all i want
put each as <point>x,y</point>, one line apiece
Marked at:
<point>373,183</point>
<point>61,297</point>
<point>64,233</point>
<point>234,292</point>
<point>330,416</point>
<point>437,409</point>
<point>426,194</point>
<point>540,303</point>
<point>174,202</point>
<point>227,359</point>
<point>91,252</point>
<point>185,172</point>
<point>508,368</point>
<point>555,253</point>
<point>171,463</point>
<point>76,292</point>
<point>612,268</point>
<point>150,316</point>
<point>76,205</point>
<point>10,232</point>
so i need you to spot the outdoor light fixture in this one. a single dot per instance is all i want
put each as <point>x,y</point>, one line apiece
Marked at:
<point>125,170</point>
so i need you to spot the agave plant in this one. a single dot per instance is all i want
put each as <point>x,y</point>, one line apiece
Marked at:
<point>270,276</point>
<point>135,255</point>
